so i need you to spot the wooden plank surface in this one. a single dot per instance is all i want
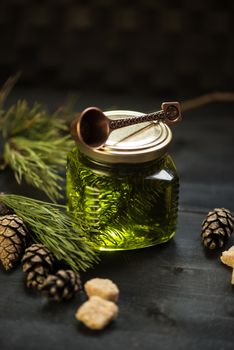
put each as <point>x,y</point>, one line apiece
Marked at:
<point>173,296</point>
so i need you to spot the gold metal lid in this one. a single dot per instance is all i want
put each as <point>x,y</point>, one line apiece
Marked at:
<point>132,144</point>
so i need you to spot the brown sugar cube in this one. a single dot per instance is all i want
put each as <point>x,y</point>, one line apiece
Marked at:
<point>103,288</point>
<point>96,313</point>
<point>232,281</point>
<point>227,257</point>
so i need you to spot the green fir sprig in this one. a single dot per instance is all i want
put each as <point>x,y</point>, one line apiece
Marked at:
<point>34,142</point>
<point>50,225</point>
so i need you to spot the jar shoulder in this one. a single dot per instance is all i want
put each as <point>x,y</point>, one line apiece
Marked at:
<point>159,169</point>
<point>169,164</point>
<point>166,171</point>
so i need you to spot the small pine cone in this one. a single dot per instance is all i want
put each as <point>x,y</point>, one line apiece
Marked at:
<point>217,228</point>
<point>38,263</point>
<point>61,286</point>
<point>12,239</point>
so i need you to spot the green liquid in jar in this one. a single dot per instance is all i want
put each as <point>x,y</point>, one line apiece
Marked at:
<point>123,206</point>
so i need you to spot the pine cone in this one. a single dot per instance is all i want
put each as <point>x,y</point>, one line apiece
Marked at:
<point>61,286</point>
<point>12,239</point>
<point>4,210</point>
<point>217,228</point>
<point>37,263</point>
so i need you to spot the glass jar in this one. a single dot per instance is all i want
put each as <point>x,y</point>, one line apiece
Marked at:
<point>125,193</point>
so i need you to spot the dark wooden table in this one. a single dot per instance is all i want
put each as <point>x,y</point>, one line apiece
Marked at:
<point>173,296</point>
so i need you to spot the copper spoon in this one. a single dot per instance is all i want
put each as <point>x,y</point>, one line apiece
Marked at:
<point>93,128</point>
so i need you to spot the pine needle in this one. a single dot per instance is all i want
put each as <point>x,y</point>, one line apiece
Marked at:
<point>7,87</point>
<point>49,224</point>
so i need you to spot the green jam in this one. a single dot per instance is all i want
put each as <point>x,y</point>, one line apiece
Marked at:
<point>123,206</point>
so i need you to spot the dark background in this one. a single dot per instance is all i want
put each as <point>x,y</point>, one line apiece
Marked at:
<point>131,55</point>
<point>150,47</point>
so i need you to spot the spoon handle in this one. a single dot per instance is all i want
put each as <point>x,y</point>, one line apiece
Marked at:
<point>169,114</point>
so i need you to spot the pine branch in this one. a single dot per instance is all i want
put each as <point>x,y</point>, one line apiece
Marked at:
<point>34,145</point>
<point>34,161</point>
<point>203,100</point>
<point>33,122</point>
<point>51,225</point>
